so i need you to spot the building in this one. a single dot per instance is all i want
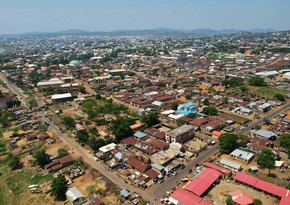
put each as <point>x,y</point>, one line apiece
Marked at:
<point>75,196</point>
<point>181,134</point>
<point>187,108</point>
<point>231,165</point>
<point>243,155</point>
<point>266,134</point>
<point>61,97</point>
<point>182,196</point>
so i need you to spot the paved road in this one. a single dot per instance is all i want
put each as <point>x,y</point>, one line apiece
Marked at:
<point>261,121</point>
<point>169,184</point>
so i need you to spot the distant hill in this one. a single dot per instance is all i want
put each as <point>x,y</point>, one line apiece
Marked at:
<point>146,32</point>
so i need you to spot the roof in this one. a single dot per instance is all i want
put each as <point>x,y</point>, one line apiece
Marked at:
<point>135,126</point>
<point>137,164</point>
<point>217,133</point>
<point>203,181</point>
<point>140,135</point>
<point>65,159</point>
<point>265,133</point>
<point>262,185</point>
<point>73,193</point>
<point>54,82</point>
<point>242,154</point>
<point>181,196</point>
<point>241,197</point>
<point>230,163</point>
<point>108,147</point>
<point>216,167</point>
<point>285,201</point>
<point>61,96</point>
<point>180,130</point>
<point>125,193</point>
<point>152,174</point>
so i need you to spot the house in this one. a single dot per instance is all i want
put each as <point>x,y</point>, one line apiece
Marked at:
<point>181,134</point>
<point>137,164</point>
<point>266,134</point>
<point>3,102</point>
<point>243,155</point>
<point>61,97</point>
<point>75,196</point>
<point>59,163</point>
<point>264,107</point>
<point>187,108</point>
<point>231,165</point>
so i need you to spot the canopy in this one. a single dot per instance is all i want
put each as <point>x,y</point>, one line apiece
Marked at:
<point>241,197</point>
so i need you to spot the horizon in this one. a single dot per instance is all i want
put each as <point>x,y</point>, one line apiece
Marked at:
<point>33,16</point>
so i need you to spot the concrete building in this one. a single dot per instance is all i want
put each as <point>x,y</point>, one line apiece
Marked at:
<point>181,134</point>
<point>187,108</point>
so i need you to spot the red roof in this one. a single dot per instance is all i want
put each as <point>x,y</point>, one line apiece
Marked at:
<point>262,185</point>
<point>137,164</point>
<point>188,198</point>
<point>151,174</point>
<point>220,169</point>
<point>242,198</point>
<point>285,201</point>
<point>203,181</point>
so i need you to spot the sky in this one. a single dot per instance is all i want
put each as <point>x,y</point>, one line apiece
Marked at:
<point>18,16</point>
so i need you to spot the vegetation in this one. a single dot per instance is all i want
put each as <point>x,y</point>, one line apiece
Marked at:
<point>284,140</point>
<point>210,110</point>
<point>42,158</point>
<point>120,127</point>
<point>150,119</point>
<point>13,103</point>
<point>14,163</point>
<point>59,187</point>
<point>233,82</point>
<point>257,202</point>
<point>68,122</point>
<point>62,153</point>
<point>174,106</point>
<point>266,159</point>
<point>257,81</point>
<point>228,143</point>
<point>280,97</point>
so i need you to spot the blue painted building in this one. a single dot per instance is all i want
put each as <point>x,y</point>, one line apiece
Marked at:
<point>187,108</point>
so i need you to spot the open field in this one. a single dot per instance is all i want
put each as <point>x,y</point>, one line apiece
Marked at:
<point>236,118</point>
<point>266,92</point>
<point>14,187</point>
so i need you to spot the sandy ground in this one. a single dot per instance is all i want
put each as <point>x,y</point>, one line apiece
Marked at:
<point>219,192</point>
<point>196,144</point>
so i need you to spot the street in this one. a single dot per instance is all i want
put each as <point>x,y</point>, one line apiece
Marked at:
<point>157,190</point>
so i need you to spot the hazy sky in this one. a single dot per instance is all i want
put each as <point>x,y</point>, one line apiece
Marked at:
<point>17,16</point>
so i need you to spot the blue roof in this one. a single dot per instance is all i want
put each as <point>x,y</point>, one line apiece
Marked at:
<point>187,108</point>
<point>125,193</point>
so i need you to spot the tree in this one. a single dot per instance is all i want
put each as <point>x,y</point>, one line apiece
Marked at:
<point>210,110</point>
<point>68,122</point>
<point>42,158</point>
<point>188,97</point>
<point>257,202</point>
<point>62,153</point>
<point>14,163</point>
<point>191,115</point>
<point>174,106</point>
<point>120,127</point>
<point>98,97</point>
<point>205,102</point>
<point>244,88</point>
<point>228,143</point>
<point>59,187</point>
<point>82,89</point>
<point>280,97</point>
<point>266,159</point>
<point>257,81</point>
<point>150,119</point>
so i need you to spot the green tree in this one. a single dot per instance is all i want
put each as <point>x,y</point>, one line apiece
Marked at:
<point>150,119</point>
<point>257,202</point>
<point>83,136</point>
<point>14,163</point>
<point>120,127</point>
<point>191,115</point>
<point>59,188</point>
<point>257,81</point>
<point>280,97</point>
<point>68,122</point>
<point>205,102</point>
<point>98,97</point>
<point>62,153</point>
<point>244,88</point>
<point>82,89</point>
<point>42,158</point>
<point>210,110</point>
<point>228,143</point>
<point>188,97</point>
<point>174,106</point>
<point>266,159</point>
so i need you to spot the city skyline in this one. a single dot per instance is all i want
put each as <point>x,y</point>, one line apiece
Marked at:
<point>52,16</point>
